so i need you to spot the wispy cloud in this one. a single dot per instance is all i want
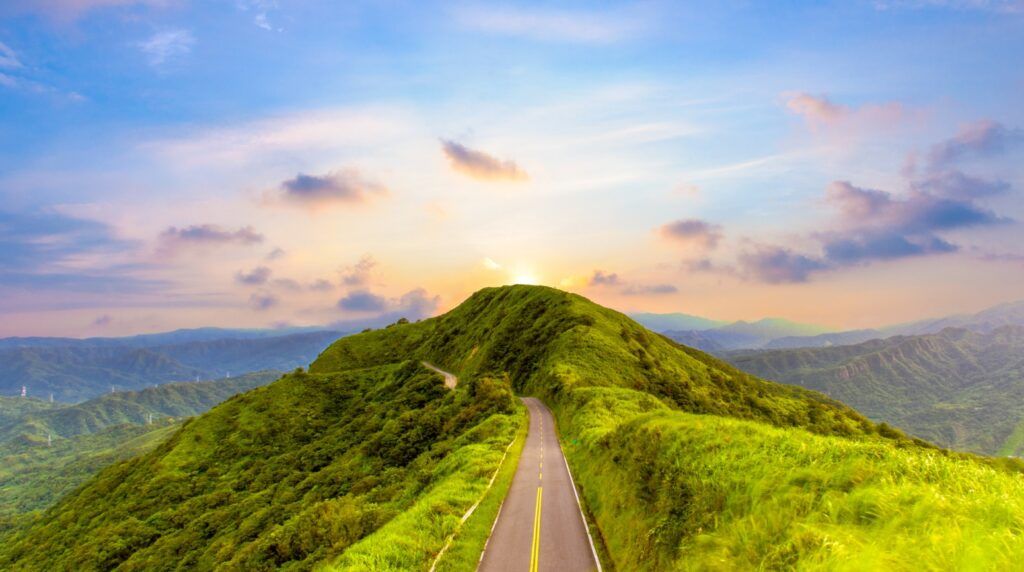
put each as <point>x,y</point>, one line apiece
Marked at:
<point>8,59</point>
<point>576,26</point>
<point>206,235</point>
<point>983,138</point>
<point>165,47</point>
<point>480,165</point>
<point>359,273</point>
<point>821,113</point>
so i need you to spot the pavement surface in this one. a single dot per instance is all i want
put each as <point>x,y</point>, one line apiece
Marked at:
<point>450,381</point>
<point>540,526</point>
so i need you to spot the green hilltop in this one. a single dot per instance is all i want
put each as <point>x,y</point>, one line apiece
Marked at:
<point>683,461</point>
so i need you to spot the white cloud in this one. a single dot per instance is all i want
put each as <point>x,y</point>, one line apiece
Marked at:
<point>164,47</point>
<point>8,59</point>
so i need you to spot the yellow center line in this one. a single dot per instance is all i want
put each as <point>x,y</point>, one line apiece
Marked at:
<point>535,550</point>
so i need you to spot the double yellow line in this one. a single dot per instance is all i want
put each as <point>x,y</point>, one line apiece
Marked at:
<point>535,550</point>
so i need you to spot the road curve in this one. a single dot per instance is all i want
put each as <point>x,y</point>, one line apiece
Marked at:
<point>450,381</point>
<point>540,526</point>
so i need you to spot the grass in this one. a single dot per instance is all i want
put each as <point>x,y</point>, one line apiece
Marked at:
<point>684,462</point>
<point>678,491</point>
<point>411,540</point>
<point>469,541</point>
<point>290,475</point>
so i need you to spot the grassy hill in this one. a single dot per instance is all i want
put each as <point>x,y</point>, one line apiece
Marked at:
<point>87,369</point>
<point>134,407</point>
<point>684,462</point>
<point>33,478</point>
<point>959,388</point>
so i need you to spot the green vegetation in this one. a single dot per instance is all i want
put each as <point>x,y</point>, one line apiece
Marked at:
<point>137,407</point>
<point>468,542</point>
<point>289,475</point>
<point>12,408</point>
<point>958,388</point>
<point>34,477</point>
<point>684,462</point>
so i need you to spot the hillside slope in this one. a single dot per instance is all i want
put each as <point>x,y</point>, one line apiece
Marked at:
<point>134,407</point>
<point>959,388</point>
<point>286,475</point>
<point>684,462</point>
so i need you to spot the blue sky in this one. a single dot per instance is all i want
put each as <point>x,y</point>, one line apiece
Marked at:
<point>173,163</point>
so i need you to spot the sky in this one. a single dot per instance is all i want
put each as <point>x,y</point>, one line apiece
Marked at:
<point>260,163</point>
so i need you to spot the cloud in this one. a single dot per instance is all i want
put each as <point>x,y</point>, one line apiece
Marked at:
<point>957,185</point>
<point>600,278</point>
<point>346,186</point>
<point>480,165</point>
<point>491,264</point>
<point>413,305</point>
<point>820,112</point>
<point>983,138</point>
<point>693,233</point>
<point>8,59</point>
<point>321,285</point>
<point>549,25</point>
<point>47,250</point>
<point>255,277</point>
<point>874,225</point>
<point>649,289</point>
<point>205,235</point>
<point>776,265</point>
<point>275,254</point>
<point>359,273</point>
<point>262,301</point>
<point>920,213</point>
<point>165,47</point>
<point>363,301</point>
<point>102,321</point>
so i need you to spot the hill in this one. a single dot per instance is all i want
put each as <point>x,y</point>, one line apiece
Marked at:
<point>958,388</point>
<point>33,478</point>
<point>132,407</point>
<point>83,371</point>
<point>683,461</point>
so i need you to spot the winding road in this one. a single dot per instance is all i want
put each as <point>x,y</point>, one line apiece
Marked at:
<point>540,525</point>
<point>450,381</point>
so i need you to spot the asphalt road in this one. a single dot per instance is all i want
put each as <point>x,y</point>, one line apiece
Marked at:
<point>450,381</point>
<point>540,526</point>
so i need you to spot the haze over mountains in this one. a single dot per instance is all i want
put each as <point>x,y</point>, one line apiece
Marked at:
<point>777,333</point>
<point>74,370</point>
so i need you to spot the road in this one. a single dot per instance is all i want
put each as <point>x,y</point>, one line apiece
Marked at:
<point>450,381</point>
<point>540,526</point>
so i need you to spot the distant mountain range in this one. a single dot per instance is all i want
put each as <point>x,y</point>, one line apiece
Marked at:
<point>776,333</point>
<point>31,421</point>
<point>74,370</point>
<point>48,449</point>
<point>959,388</point>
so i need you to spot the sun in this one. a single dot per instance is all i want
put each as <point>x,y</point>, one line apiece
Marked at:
<point>525,278</point>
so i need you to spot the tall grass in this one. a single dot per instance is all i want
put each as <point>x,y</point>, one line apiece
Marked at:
<point>412,539</point>
<point>678,491</point>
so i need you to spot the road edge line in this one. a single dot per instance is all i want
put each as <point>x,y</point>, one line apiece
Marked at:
<point>590,539</point>
<point>469,512</point>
